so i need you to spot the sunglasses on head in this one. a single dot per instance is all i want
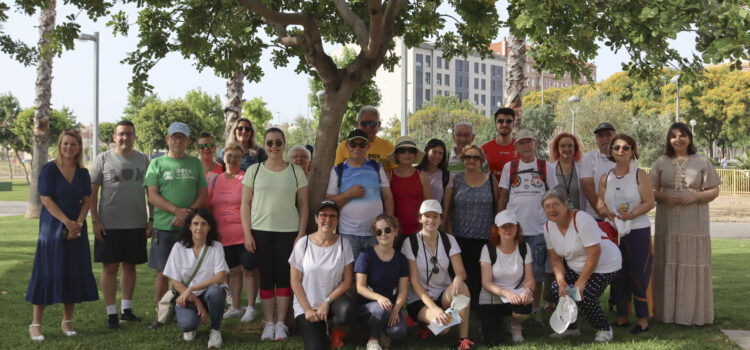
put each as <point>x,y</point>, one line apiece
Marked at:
<point>379,232</point>
<point>365,123</point>
<point>245,128</point>
<point>270,143</point>
<point>354,144</point>
<point>624,148</point>
<point>472,157</point>
<point>504,121</point>
<point>406,150</point>
<point>205,145</point>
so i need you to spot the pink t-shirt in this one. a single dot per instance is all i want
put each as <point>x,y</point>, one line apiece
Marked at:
<point>225,197</point>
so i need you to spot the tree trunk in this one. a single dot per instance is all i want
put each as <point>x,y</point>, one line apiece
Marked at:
<point>514,79</point>
<point>40,137</point>
<point>233,102</point>
<point>10,163</point>
<point>20,161</point>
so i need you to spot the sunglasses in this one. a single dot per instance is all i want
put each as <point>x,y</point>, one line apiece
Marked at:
<point>386,230</point>
<point>472,157</point>
<point>365,124</point>
<point>328,216</point>
<point>205,145</point>
<point>624,148</point>
<point>353,144</point>
<point>270,143</point>
<point>406,150</point>
<point>504,121</point>
<point>245,128</point>
<point>435,269</point>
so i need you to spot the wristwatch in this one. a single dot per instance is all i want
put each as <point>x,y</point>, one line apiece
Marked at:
<point>327,300</point>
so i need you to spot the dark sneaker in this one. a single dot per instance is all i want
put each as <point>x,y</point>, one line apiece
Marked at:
<point>113,322</point>
<point>129,316</point>
<point>155,325</point>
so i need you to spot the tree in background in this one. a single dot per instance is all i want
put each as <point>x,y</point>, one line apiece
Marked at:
<point>152,123</point>
<point>259,114</point>
<point>540,120</point>
<point>106,129</point>
<point>436,120</point>
<point>300,132</point>
<point>9,110</point>
<point>135,103</point>
<point>209,109</point>
<point>59,120</point>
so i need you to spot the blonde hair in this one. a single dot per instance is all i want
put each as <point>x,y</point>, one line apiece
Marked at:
<point>479,149</point>
<point>252,147</point>
<point>231,146</point>
<point>77,135</point>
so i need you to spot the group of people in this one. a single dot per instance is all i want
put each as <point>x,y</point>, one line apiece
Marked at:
<point>401,227</point>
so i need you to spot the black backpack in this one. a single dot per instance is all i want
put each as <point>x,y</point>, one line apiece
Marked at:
<point>521,250</point>
<point>446,246</point>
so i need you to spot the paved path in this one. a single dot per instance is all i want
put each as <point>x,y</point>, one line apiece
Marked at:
<point>742,338</point>
<point>8,208</point>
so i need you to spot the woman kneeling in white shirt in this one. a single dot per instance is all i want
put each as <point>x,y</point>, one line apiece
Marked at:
<point>507,280</point>
<point>204,296</point>
<point>582,258</point>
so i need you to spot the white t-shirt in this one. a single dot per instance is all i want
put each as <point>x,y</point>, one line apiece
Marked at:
<point>357,214</point>
<point>593,165</point>
<point>182,261</point>
<point>438,281</point>
<point>507,271</point>
<point>525,195</point>
<point>572,246</point>
<point>322,269</point>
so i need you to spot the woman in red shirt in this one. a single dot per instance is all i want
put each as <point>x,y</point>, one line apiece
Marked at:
<point>409,186</point>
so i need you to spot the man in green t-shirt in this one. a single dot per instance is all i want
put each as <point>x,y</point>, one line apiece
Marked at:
<point>176,184</point>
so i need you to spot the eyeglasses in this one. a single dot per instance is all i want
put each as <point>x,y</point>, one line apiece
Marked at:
<point>386,230</point>
<point>270,143</point>
<point>205,145</point>
<point>365,123</point>
<point>406,150</point>
<point>504,121</point>
<point>353,144</point>
<point>125,133</point>
<point>472,157</point>
<point>244,129</point>
<point>624,148</point>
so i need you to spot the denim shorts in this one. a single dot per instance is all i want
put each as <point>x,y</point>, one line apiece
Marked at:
<point>161,245</point>
<point>540,254</point>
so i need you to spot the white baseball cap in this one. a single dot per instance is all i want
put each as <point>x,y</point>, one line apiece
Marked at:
<point>430,205</point>
<point>565,314</point>
<point>505,217</point>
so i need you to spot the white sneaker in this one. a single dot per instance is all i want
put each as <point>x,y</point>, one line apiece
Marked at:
<point>516,334</point>
<point>268,331</point>
<point>604,336</point>
<point>281,331</point>
<point>568,333</point>
<point>188,336</point>
<point>232,312</point>
<point>373,345</point>
<point>250,314</point>
<point>214,339</point>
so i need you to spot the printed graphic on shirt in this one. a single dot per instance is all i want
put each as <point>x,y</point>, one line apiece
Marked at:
<point>126,175</point>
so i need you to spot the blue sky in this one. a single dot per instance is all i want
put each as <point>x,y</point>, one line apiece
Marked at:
<point>72,85</point>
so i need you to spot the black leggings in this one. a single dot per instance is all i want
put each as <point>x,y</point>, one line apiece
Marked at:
<point>272,250</point>
<point>491,317</point>
<point>471,249</point>
<point>315,334</point>
<point>589,305</point>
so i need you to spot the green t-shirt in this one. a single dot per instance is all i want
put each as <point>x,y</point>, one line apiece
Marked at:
<point>178,181</point>
<point>274,197</point>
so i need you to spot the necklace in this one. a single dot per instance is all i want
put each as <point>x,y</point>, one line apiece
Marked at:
<point>679,174</point>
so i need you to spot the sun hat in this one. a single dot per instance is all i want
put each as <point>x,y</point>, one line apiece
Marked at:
<point>405,142</point>
<point>430,205</point>
<point>505,217</point>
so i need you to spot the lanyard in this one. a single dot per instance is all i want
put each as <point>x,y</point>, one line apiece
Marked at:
<point>567,181</point>
<point>427,269</point>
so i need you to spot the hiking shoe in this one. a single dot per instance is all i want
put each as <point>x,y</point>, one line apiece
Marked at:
<point>113,322</point>
<point>373,345</point>
<point>155,325</point>
<point>385,340</point>
<point>465,344</point>
<point>250,315</point>
<point>214,339</point>
<point>337,338</point>
<point>568,333</point>
<point>268,331</point>
<point>516,334</point>
<point>232,312</point>
<point>188,336</point>
<point>603,336</point>
<point>129,316</point>
<point>281,331</point>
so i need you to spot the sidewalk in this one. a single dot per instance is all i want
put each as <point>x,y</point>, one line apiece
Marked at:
<point>12,208</point>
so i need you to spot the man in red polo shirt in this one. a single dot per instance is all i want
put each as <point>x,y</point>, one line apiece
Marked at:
<point>501,150</point>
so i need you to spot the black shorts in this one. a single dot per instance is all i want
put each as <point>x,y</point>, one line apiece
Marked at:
<point>124,245</point>
<point>237,254</point>
<point>414,308</point>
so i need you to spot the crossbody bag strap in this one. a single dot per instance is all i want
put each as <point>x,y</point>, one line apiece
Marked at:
<point>197,267</point>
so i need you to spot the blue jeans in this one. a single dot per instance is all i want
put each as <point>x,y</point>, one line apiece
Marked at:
<point>359,243</point>
<point>213,299</point>
<point>161,245</point>
<point>540,254</point>
<point>375,319</point>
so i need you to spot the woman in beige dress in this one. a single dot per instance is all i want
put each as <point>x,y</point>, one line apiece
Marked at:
<point>684,183</point>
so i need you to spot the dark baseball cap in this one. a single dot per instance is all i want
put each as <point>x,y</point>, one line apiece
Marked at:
<point>357,134</point>
<point>604,126</point>
<point>326,204</point>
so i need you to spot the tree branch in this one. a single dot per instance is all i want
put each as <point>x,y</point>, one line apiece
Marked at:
<point>375,9</point>
<point>351,18</point>
<point>284,37</point>
<point>264,11</point>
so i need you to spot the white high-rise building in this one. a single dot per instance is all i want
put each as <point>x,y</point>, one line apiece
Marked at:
<point>422,73</point>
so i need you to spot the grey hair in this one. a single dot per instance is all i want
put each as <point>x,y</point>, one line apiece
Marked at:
<point>299,147</point>
<point>368,109</point>
<point>556,194</point>
<point>462,124</point>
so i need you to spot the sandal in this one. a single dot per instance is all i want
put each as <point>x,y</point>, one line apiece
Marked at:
<point>39,337</point>
<point>67,333</point>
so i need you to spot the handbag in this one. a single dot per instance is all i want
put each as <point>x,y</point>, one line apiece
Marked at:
<point>165,307</point>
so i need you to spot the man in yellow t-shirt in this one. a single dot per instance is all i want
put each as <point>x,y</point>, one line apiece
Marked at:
<point>369,122</point>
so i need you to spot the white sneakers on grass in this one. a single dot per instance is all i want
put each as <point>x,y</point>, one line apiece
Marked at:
<point>275,331</point>
<point>373,345</point>
<point>214,339</point>
<point>188,336</point>
<point>268,331</point>
<point>282,332</point>
<point>232,312</point>
<point>604,336</point>
<point>250,315</point>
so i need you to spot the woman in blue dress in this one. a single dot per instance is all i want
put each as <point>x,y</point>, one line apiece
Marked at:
<point>62,265</point>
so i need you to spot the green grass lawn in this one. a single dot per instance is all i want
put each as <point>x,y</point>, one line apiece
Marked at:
<point>20,190</point>
<point>18,243</point>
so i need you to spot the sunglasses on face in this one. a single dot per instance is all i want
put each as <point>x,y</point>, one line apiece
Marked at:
<point>353,144</point>
<point>205,145</point>
<point>328,216</point>
<point>365,124</point>
<point>624,148</point>
<point>472,157</point>
<point>244,129</point>
<point>504,121</point>
<point>386,230</point>
<point>270,143</point>
<point>406,150</point>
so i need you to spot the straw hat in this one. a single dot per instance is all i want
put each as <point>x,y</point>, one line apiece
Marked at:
<point>405,142</point>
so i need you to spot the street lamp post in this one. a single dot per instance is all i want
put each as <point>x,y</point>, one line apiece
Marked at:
<point>693,122</point>
<point>676,80</point>
<point>574,102</point>
<point>95,136</point>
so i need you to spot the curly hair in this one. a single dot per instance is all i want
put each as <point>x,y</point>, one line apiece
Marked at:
<point>554,153</point>
<point>390,220</point>
<point>186,236</point>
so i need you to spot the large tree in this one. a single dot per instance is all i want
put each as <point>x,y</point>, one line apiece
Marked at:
<point>153,120</point>
<point>9,110</point>
<point>435,120</point>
